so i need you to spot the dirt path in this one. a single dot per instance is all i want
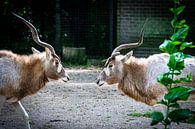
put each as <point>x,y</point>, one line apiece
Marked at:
<point>81,104</point>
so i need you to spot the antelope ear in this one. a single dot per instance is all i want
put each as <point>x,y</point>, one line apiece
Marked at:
<point>48,53</point>
<point>127,56</point>
<point>35,51</point>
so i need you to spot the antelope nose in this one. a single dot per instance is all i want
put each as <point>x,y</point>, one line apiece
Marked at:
<point>98,81</point>
<point>67,76</point>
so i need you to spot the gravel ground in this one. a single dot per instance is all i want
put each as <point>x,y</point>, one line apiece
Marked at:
<point>81,104</point>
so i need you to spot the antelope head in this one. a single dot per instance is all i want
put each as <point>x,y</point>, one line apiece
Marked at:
<point>51,62</point>
<point>113,69</point>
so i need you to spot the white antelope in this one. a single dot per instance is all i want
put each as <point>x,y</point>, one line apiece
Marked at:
<point>137,77</point>
<point>22,75</point>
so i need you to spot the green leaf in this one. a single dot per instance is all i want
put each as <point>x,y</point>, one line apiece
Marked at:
<point>174,105</point>
<point>164,79</point>
<point>193,46</point>
<point>163,102</point>
<point>180,24</point>
<point>156,118</point>
<point>174,22</point>
<point>176,42</point>
<point>179,115</point>
<point>184,45</point>
<point>178,93</point>
<point>163,46</point>
<point>176,1</point>
<point>168,46</point>
<point>147,114</point>
<point>176,61</point>
<point>181,34</point>
<point>178,10</point>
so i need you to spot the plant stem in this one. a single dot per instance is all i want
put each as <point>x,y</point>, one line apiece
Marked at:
<point>166,117</point>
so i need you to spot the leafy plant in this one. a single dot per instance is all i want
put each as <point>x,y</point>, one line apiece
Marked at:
<point>175,46</point>
<point>147,114</point>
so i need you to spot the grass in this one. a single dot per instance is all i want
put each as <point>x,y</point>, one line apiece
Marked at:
<point>147,114</point>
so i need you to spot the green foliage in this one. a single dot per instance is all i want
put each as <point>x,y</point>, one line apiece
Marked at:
<point>169,46</point>
<point>174,47</point>
<point>178,93</point>
<point>165,79</point>
<point>181,33</point>
<point>176,1</point>
<point>180,115</point>
<point>176,61</point>
<point>156,118</point>
<point>147,114</point>
<point>177,10</point>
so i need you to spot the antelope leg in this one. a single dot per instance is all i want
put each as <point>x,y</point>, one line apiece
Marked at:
<point>20,109</point>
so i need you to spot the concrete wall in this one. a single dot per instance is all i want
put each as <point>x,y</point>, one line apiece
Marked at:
<point>131,15</point>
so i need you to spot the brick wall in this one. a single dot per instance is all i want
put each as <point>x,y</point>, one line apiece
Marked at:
<point>131,15</point>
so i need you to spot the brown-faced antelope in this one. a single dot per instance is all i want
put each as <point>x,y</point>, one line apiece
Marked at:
<point>22,75</point>
<point>137,77</point>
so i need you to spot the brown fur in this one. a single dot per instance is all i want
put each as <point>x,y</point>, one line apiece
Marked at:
<point>22,75</point>
<point>32,75</point>
<point>137,77</point>
<point>133,85</point>
<point>5,53</point>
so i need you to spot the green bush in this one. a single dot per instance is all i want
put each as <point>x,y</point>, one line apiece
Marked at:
<point>175,46</point>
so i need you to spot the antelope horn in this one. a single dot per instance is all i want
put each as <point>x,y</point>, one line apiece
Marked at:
<point>36,36</point>
<point>131,45</point>
<point>111,58</point>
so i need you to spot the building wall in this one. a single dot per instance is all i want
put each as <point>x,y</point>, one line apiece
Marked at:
<point>131,15</point>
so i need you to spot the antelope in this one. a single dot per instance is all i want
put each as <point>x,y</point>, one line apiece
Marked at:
<point>24,75</point>
<point>137,77</point>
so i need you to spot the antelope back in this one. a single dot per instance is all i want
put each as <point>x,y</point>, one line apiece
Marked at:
<point>9,73</point>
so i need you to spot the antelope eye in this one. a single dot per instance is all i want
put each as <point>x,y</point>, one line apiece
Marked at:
<point>57,63</point>
<point>110,66</point>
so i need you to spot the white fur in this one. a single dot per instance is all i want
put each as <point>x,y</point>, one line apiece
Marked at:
<point>59,69</point>
<point>107,71</point>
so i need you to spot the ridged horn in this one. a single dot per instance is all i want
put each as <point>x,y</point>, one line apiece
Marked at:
<point>35,35</point>
<point>131,45</point>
